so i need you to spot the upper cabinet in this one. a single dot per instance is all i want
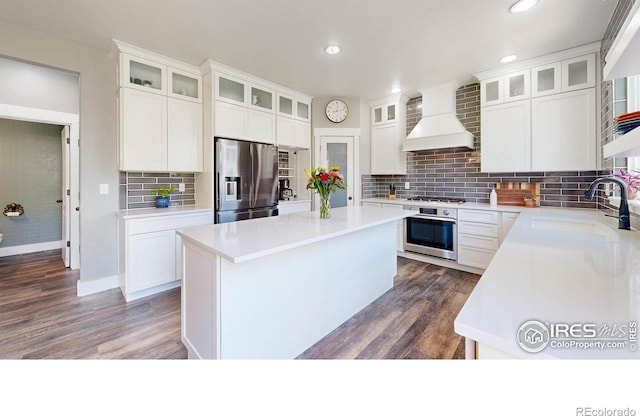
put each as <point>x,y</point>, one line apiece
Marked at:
<point>159,112</point>
<point>541,115</point>
<point>244,107</point>
<point>388,127</point>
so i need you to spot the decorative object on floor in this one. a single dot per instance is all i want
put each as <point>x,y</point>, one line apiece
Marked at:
<point>513,193</point>
<point>325,183</point>
<point>631,179</point>
<point>162,195</point>
<point>13,210</point>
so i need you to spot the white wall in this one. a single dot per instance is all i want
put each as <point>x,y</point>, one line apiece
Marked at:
<point>29,85</point>
<point>97,136</point>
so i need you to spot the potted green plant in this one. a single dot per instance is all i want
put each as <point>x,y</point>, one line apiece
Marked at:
<point>162,195</point>
<point>530,200</point>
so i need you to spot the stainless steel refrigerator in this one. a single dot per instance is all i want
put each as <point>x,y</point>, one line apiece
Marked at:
<point>246,180</point>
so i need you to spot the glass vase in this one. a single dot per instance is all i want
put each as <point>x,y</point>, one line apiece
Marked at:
<point>324,207</point>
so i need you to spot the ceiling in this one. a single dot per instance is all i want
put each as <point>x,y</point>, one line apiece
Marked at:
<point>410,43</point>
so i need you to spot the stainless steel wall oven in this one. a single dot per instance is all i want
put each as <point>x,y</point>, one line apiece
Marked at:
<point>432,231</point>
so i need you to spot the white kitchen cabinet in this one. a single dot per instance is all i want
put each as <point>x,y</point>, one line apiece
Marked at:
<point>478,237</point>
<point>506,137</point>
<point>184,136</point>
<point>545,79</point>
<point>388,129</point>
<point>143,131</point>
<point>149,259</point>
<point>563,131</point>
<point>292,207</point>
<point>160,112</point>
<point>513,86</point>
<point>293,127</point>
<point>555,128</point>
<point>244,110</point>
<point>142,73</point>
<point>579,73</point>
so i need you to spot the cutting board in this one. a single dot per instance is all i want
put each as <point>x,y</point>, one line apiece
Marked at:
<point>513,193</point>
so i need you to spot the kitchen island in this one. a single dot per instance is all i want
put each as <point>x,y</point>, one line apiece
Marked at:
<point>270,288</point>
<point>563,284</point>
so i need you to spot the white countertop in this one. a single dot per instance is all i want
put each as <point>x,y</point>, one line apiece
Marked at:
<point>556,277</point>
<point>466,205</point>
<point>155,212</point>
<point>246,240</point>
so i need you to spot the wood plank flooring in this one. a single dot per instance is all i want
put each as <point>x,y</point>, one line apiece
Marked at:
<point>41,317</point>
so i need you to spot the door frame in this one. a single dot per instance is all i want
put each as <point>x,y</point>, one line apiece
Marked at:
<point>340,132</point>
<point>72,168</point>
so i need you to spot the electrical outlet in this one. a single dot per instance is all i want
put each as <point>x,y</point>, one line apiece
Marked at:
<point>181,187</point>
<point>104,189</point>
<point>406,185</point>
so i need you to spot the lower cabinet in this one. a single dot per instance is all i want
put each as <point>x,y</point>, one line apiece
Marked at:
<point>149,259</point>
<point>480,234</point>
<point>293,207</point>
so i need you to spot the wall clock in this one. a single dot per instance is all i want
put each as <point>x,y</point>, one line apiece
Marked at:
<point>337,111</point>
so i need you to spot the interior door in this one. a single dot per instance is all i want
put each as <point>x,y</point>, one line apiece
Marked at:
<point>338,150</point>
<point>64,198</point>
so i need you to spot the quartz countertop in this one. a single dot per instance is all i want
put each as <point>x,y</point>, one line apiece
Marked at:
<point>246,240</point>
<point>466,205</point>
<point>156,212</point>
<point>557,277</point>
<point>292,201</point>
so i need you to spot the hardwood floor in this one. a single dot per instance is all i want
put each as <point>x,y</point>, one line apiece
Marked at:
<point>412,320</point>
<point>41,317</point>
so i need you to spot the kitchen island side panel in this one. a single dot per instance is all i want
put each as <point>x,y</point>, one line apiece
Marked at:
<point>277,306</point>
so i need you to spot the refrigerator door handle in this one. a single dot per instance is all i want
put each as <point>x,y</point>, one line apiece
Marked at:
<point>251,181</point>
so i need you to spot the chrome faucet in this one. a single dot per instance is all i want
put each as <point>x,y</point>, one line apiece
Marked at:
<point>623,211</point>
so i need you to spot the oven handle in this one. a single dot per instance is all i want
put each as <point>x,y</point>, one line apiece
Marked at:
<point>453,220</point>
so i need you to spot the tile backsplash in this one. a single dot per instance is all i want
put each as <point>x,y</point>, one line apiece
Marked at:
<point>456,172</point>
<point>135,189</point>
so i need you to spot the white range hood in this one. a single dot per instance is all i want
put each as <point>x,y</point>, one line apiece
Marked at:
<point>439,127</point>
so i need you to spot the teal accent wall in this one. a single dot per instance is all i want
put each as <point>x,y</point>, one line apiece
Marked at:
<point>30,175</point>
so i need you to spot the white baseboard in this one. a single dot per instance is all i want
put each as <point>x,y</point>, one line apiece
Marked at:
<point>88,287</point>
<point>30,248</point>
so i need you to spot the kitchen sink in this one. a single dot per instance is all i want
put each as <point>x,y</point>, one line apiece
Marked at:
<point>571,226</point>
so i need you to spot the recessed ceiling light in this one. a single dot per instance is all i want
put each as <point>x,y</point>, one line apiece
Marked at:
<point>522,6</point>
<point>332,49</point>
<point>395,90</point>
<point>508,58</point>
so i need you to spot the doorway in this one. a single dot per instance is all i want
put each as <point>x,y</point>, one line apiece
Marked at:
<point>69,198</point>
<point>340,147</point>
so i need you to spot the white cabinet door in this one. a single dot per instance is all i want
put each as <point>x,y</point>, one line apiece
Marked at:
<point>506,137</point>
<point>184,138</point>
<point>399,227</point>
<point>517,86</point>
<point>387,157</point>
<point>261,126</point>
<point>184,85</point>
<point>152,260</point>
<point>491,91</point>
<point>285,131</point>
<point>564,131</point>
<point>230,89</point>
<point>143,131</point>
<point>142,74</point>
<point>579,73</point>
<point>230,120</point>
<point>302,134</point>
<point>546,80</point>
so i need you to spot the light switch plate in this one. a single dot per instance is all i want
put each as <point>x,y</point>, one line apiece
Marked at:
<point>104,189</point>
<point>608,189</point>
<point>181,187</point>
<point>406,185</point>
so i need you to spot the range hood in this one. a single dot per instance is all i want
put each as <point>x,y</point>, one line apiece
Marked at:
<point>439,127</point>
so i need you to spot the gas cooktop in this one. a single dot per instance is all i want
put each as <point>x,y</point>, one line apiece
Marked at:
<point>438,199</point>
